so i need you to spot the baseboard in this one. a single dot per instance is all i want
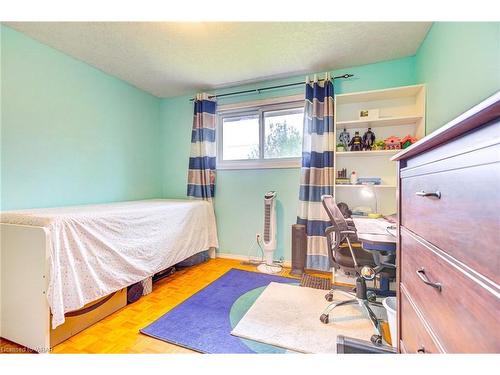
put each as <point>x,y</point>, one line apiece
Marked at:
<point>286,263</point>
<point>338,277</point>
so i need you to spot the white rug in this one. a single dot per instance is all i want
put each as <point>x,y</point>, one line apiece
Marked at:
<point>288,316</point>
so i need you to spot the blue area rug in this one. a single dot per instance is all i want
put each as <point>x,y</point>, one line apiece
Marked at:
<point>204,321</point>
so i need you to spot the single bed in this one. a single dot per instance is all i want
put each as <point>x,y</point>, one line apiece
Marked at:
<point>58,260</point>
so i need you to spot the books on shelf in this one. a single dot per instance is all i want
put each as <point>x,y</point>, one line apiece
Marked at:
<point>369,180</point>
<point>343,181</point>
<point>361,181</point>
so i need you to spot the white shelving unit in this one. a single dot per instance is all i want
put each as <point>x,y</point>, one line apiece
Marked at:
<point>366,154</point>
<point>401,113</point>
<point>388,121</point>
<point>382,186</point>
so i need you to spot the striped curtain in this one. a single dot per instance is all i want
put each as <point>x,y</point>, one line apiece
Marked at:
<point>201,174</point>
<point>317,172</point>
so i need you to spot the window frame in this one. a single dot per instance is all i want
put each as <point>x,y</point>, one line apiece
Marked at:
<point>258,107</point>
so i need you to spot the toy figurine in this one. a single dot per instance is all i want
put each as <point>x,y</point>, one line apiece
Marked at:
<point>345,138</point>
<point>392,143</point>
<point>379,144</point>
<point>408,141</point>
<point>356,142</point>
<point>368,140</point>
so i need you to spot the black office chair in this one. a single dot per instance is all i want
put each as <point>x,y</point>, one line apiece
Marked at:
<point>351,260</point>
<point>383,262</point>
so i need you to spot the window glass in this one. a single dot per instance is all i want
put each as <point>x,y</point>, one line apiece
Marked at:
<point>283,133</point>
<point>240,137</point>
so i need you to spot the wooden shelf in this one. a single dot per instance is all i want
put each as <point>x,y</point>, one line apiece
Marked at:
<point>373,95</point>
<point>387,121</point>
<point>362,186</point>
<point>366,153</point>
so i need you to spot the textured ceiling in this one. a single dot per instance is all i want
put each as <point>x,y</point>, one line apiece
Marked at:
<point>175,58</point>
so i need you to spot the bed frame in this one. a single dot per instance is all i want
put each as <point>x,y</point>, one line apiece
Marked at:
<point>25,315</point>
<point>24,276</point>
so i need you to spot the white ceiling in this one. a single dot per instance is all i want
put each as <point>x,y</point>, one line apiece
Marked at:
<point>175,58</point>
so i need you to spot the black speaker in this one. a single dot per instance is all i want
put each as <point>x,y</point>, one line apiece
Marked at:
<point>299,249</point>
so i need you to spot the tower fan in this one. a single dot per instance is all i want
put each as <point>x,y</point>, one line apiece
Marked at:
<point>269,234</point>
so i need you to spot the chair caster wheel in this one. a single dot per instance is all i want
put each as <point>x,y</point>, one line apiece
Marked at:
<point>371,296</point>
<point>329,297</point>
<point>376,340</point>
<point>324,318</point>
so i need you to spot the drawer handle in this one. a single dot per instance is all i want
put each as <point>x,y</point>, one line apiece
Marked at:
<point>423,277</point>
<point>421,350</point>
<point>435,194</point>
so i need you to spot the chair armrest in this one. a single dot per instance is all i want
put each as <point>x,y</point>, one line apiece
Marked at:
<point>333,230</point>
<point>332,233</point>
<point>349,231</point>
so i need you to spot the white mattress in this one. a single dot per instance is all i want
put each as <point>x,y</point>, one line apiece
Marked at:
<point>98,249</point>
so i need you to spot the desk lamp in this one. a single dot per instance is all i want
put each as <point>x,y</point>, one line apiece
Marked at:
<point>368,191</point>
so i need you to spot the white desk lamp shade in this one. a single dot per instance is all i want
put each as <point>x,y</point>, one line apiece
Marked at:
<point>368,192</point>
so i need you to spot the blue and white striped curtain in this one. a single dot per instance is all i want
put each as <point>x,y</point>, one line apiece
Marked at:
<point>317,173</point>
<point>201,174</point>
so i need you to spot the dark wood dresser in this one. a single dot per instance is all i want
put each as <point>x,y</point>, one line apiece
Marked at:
<point>448,253</point>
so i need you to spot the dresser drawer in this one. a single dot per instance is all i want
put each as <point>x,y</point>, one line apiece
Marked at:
<point>464,221</point>
<point>463,310</point>
<point>414,335</point>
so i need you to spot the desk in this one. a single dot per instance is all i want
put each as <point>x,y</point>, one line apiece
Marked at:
<point>379,237</point>
<point>376,230</point>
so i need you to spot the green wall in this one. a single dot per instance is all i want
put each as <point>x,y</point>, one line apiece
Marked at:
<point>71,134</point>
<point>460,64</point>
<point>239,195</point>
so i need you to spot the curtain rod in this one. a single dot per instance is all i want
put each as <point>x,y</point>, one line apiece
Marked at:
<point>343,76</point>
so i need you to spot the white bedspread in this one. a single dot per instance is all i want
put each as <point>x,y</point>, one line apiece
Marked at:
<point>99,249</point>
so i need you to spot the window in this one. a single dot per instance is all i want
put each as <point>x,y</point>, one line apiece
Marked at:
<point>283,133</point>
<point>240,137</point>
<point>260,136</point>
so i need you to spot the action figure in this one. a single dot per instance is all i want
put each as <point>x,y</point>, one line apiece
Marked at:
<point>356,142</point>
<point>368,139</point>
<point>345,138</point>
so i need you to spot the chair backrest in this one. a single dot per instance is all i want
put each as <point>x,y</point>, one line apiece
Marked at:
<point>334,213</point>
<point>335,238</point>
<point>334,234</point>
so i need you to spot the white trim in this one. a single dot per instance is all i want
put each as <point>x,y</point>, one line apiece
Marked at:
<point>286,263</point>
<point>256,107</point>
<point>260,164</point>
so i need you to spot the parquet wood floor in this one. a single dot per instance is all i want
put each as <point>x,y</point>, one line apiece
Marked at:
<point>119,332</point>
